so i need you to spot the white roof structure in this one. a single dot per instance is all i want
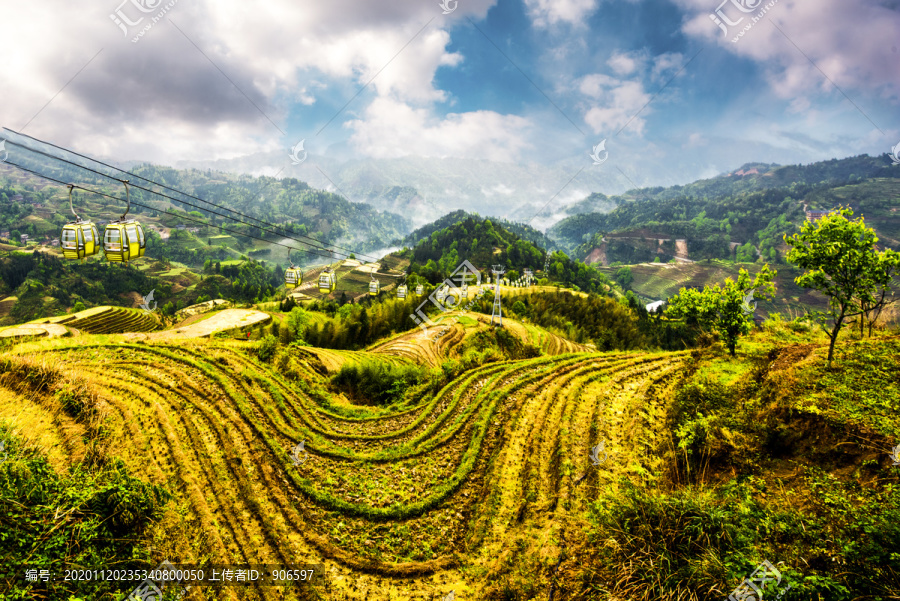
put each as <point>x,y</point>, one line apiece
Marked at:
<point>654,306</point>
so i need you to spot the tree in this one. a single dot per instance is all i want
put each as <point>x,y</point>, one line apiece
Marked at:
<point>874,305</point>
<point>297,320</point>
<point>624,276</point>
<point>724,308</point>
<point>843,264</point>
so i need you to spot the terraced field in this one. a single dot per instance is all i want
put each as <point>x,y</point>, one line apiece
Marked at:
<point>106,320</point>
<point>446,494</point>
<point>441,342</point>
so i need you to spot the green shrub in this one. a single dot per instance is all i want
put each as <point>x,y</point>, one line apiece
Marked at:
<point>80,519</point>
<point>376,381</point>
<point>508,345</point>
<point>266,348</point>
<point>79,306</point>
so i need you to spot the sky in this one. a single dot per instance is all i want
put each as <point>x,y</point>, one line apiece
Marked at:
<point>660,82</point>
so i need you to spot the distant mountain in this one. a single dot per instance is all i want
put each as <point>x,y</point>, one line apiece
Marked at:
<point>290,205</point>
<point>422,189</point>
<point>737,215</point>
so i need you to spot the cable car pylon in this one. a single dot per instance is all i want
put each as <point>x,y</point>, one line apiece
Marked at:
<point>496,310</point>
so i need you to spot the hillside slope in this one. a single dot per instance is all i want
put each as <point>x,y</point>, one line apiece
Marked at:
<point>492,487</point>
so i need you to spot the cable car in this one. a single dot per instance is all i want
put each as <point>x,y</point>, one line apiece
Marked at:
<point>374,287</point>
<point>79,239</point>
<point>465,291</point>
<point>401,291</point>
<point>420,290</point>
<point>327,281</point>
<point>293,276</point>
<point>441,294</point>
<point>123,239</point>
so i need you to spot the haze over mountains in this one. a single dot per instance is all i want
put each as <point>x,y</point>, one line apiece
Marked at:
<point>424,188</point>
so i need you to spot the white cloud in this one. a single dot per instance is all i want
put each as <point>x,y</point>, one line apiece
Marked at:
<point>618,101</point>
<point>666,65</point>
<point>163,100</point>
<point>501,189</point>
<point>850,42</point>
<point>625,63</point>
<point>615,101</point>
<point>595,84</point>
<point>549,12</point>
<point>390,128</point>
<point>696,139</point>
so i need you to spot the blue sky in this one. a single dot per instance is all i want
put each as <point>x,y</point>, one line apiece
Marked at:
<point>808,81</point>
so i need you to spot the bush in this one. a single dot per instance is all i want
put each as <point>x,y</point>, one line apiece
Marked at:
<point>297,320</point>
<point>79,518</point>
<point>376,381</point>
<point>266,349</point>
<point>499,339</point>
<point>79,306</point>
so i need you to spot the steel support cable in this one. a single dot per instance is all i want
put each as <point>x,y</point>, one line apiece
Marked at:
<point>164,186</point>
<point>163,195</point>
<point>137,204</point>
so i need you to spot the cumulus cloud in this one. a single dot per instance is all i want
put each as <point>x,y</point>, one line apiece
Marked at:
<point>390,129</point>
<point>850,42</point>
<point>626,63</point>
<point>550,12</point>
<point>227,85</point>
<point>613,101</point>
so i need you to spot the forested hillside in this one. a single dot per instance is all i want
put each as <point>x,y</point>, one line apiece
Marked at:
<point>29,205</point>
<point>738,216</point>
<point>484,244</point>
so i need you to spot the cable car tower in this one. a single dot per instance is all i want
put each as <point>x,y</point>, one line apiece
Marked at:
<point>497,311</point>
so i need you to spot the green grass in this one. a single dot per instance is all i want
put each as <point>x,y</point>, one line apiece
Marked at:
<point>863,387</point>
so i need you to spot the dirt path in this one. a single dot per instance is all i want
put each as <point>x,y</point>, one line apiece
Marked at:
<point>33,329</point>
<point>226,320</point>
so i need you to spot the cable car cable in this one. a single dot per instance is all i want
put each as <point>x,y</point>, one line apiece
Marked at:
<point>319,242</point>
<point>168,197</point>
<point>48,178</point>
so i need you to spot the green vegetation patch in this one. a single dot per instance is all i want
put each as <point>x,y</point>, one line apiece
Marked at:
<point>88,518</point>
<point>863,386</point>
